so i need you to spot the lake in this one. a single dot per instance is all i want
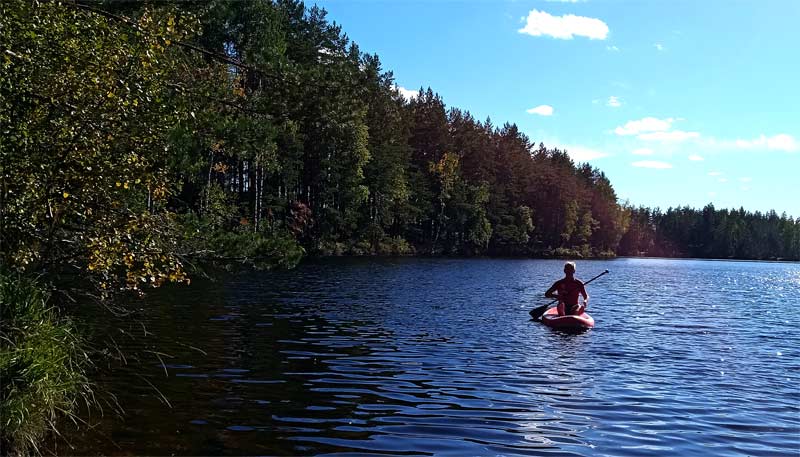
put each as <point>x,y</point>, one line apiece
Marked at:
<point>440,357</point>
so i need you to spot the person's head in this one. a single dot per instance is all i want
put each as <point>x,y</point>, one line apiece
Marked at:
<point>569,268</point>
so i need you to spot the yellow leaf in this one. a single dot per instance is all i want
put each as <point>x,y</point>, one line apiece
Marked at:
<point>119,183</point>
<point>66,194</point>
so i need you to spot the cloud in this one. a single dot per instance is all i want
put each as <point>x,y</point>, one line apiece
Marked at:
<point>722,179</point>
<point>651,164</point>
<point>654,129</point>
<point>406,93</point>
<point>696,158</point>
<point>659,46</point>
<point>540,23</point>
<point>647,124</point>
<point>745,179</point>
<point>643,152</point>
<point>714,173</point>
<point>584,154</point>
<point>612,48</point>
<point>673,135</point>
<point>780,142</point>
<point>613,102</point>
<point>541,110</point>
<point>745,188</point>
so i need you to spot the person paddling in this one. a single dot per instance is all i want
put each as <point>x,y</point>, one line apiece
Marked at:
<point>569,289</point>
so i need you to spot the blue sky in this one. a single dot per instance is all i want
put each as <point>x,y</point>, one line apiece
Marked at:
<point>678,102</point>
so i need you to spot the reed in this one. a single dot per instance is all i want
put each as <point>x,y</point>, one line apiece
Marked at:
<point>43,366</point>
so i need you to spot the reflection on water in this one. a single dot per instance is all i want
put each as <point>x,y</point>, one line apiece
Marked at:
<point>439,357</point>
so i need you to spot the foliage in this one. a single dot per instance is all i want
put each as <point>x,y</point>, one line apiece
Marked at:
<point>206,241</point>
<point>735,234</point>
<point>86,104</point>
<point>42,366</point>
<point>267,119</point>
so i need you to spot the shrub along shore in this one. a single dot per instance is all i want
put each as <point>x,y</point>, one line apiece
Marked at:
<point>141,139</point>
<point>43,365</point>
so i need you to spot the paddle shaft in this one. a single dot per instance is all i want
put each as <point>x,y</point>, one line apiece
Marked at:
<point>537,312</point>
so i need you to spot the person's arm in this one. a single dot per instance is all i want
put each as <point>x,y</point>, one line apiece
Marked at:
<point>550,292</point>
<point>585,295</point>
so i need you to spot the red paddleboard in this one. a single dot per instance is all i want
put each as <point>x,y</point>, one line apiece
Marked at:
<point>571,322</point>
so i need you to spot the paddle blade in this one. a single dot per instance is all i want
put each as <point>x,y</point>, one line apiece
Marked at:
<point>536,313</point>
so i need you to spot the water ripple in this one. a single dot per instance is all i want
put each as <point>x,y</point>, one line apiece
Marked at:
<point>438,357</point>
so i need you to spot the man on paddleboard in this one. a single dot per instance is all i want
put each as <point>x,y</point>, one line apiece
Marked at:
<point>569,289</point>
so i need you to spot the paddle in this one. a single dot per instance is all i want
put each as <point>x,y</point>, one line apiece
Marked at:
<point>537,313</point>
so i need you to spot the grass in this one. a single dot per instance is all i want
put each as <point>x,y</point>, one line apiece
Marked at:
<point>42,366</point>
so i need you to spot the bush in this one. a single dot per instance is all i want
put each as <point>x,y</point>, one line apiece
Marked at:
<point>265,249</point>
<point>42,366</point>
<point>397,246</point>
<point>607,254</point>
<point>330,248</point>
<point>260,250</point>
<point>566,253</point>
<point>362,248</point>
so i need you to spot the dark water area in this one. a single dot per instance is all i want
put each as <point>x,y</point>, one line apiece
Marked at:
<point>440,357</point>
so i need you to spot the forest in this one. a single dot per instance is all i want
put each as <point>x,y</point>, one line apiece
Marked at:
<point>143,140</point>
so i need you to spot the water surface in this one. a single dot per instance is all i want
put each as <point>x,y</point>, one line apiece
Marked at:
<point>433,356</point>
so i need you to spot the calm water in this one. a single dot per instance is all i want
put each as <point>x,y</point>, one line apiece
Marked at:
<point>440,357</point>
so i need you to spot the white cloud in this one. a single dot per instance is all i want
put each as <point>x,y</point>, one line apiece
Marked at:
<point>647,124</point>
<point>406,93</point>
<point>746,179</point>
<point>780,142</point>
<point>651,164</point>
<point>722,179</point>
<point>659,46</point>
<point>714,173</point>
<point>696,158</point>
<point>539,23</point>
<point>712,194</point>
<point>654,129</point>
<point>745,188</point>
<point>541,110</point>
<point>643,152</point>
<point>612,48</point>
<point>613,102</point>
<point>584,154</point>
<point>672,135</point>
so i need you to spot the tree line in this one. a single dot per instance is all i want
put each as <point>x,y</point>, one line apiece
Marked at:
<point>141,138</point>
<point>711,233</point>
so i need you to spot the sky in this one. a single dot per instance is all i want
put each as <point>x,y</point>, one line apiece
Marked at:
<point>678,102</point>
